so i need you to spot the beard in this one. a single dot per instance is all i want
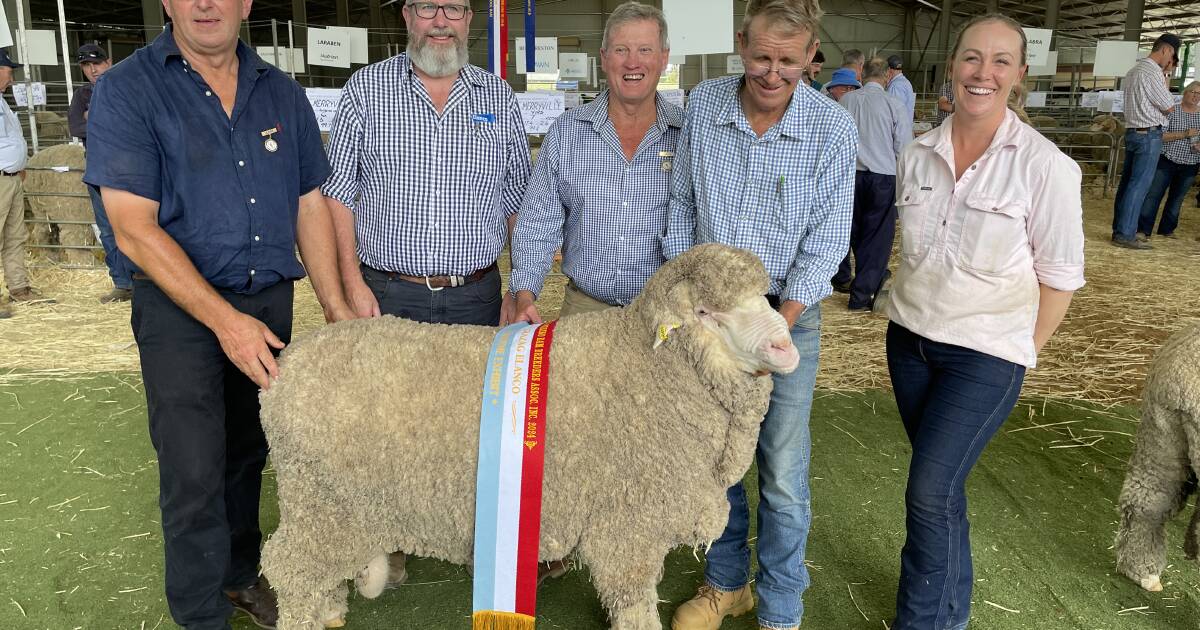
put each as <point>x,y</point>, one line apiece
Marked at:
<point>434,60</point>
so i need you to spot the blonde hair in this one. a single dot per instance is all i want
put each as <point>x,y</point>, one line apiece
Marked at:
<point>990,17</point>
<point>635,12</point>
<point>791,16</point>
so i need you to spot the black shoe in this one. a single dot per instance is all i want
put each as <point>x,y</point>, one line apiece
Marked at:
<point>1132,243</point>
<point>117,295</point>
<point>258,602</point>
<point>841,287</point>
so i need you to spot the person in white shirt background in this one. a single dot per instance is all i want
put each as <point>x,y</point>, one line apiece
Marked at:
<point>992,250</point>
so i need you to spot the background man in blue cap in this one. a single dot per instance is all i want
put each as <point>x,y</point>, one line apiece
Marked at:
<point>93,62</point>
<point>13,154</point>
<point>843,81</point>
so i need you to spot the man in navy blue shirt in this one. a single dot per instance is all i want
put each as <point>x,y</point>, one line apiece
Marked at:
<point>209,162</point>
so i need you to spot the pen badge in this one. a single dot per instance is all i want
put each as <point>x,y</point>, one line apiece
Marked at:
<point>666,166</point>
<point>270,144</point>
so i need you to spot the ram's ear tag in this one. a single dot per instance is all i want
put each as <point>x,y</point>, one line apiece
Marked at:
<point>664,332</point>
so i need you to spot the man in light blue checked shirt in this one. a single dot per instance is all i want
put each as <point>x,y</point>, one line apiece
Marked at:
<point>430,161</point>
<point>770,168</point>
<point>601,185</point>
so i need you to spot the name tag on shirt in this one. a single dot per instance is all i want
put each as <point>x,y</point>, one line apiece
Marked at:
<point>483,118</point>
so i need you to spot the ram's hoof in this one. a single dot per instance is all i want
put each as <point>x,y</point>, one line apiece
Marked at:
<point>371,581</point>
<point>1151,583</point>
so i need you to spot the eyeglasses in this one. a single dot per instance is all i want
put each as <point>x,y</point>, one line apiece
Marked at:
<point>787,73</point>
<point>429,10</point>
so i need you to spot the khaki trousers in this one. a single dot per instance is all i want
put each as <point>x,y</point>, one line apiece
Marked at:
<point>576,302</point>
<point>13,232</point>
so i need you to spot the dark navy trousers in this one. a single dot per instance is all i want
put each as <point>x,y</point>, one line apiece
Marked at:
<point>871,235</point>
<point>474,303</point>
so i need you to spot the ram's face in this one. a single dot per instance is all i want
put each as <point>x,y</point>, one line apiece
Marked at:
<point>755,335</point>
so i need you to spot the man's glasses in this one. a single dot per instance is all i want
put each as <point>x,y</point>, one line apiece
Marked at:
<point>428,10</point>
<point>786,73</point>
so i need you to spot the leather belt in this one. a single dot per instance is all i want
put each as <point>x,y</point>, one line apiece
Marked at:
<point>1145,129</point>
<point>7,174</point>
<point>437,283</point>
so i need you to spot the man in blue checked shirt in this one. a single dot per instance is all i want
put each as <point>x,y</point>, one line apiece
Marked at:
<point>430,162</point>
<point>602,180</point>
<point>769,168</point>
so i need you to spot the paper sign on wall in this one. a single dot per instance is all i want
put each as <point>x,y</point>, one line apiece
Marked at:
<point>1035,99</point>
<point>357,39</point>
<point>672,96</point>
<point>539,110</point>
<point>6,39</point>
<point>1112,102</point>
<point>1038,45</point>
<point>572,99</point>
<point>39,94</point>
<point>734,65</point>
<point>572,65</point>
<point>1048,70</point>
<point>699,27</point>
<point>545,57</point>
<point>1114,58</point>
<point>41,48</point>
<point>328,48</point>
<point>324,102</point>
<point>1090,100</point>
<point>293,62</point>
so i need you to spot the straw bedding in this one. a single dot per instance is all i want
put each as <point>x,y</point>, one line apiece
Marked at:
<point>1133,301</point>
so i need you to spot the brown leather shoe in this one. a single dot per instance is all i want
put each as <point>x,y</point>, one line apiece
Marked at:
<point>258,602</point>
<point>29,296</point>
<point>117,295</point>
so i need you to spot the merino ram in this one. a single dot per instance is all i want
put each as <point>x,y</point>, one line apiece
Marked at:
<point>1166,459</point>
<point>653,411</point>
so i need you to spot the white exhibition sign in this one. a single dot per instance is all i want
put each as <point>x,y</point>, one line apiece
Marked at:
<point>572,65</point>
<point>1114,58</point>
<point>293,62</point>
<point>1111,101</point>
<point>6,38</point>
<point>324,102</point>
<point>540,109</point>
<point>545,58</point>
<point>672,96</point>
<point>699,27</point>
<point>1090,100</point>
<point>1038,45</point>
<point>734,65</point>
<point>357,38</point>
<point>1048,70</point>
<point>39,94</point>
<point>572,99</point>
<point>42,48</point>
<point>328,48</point>
<point>1035,99</point>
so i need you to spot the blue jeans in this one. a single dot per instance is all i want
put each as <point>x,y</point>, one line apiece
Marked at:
<point>122,278</point>
<point>952,400</point>
<point>784,513</point>
<point>1141,158</point>
<point>474,303</point>
<point>1169,175</point>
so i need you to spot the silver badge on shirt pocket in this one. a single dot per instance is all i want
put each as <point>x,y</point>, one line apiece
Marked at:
<point>270,144</point>
<point>666,158</point>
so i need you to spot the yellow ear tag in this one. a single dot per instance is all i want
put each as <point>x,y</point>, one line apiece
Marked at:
<point>664,331</point>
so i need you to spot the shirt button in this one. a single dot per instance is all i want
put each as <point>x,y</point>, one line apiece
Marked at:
<point>208,92</point>
<point>906,197</point>
<point>241,163</point>
<point>625,203</point>
<point>973,166</point>
<point>252,272</point>
<point>252,200</point>
<point>185,62</point>
<point>257,238</point>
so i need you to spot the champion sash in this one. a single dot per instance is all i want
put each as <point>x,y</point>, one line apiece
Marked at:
<point>508,500</point>
<point>498,38</point>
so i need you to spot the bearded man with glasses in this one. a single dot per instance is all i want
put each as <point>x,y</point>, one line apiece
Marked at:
<point>430,162</point>
<point>768,167</point>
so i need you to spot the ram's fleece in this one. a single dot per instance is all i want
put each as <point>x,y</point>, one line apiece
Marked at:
<point>374,425</point>
<point>1166,459</point>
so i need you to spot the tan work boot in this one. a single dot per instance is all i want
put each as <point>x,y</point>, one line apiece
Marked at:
<point>709,607</point>
<point>29,296</point>
<point>5,312</point>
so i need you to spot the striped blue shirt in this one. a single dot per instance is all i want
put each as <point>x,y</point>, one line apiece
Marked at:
<point>902,88</point>
<point>607,213</point>
<point>786,196</point>
<point>430,192</point>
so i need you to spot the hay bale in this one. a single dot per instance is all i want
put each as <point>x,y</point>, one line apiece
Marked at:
<point>55,196</point>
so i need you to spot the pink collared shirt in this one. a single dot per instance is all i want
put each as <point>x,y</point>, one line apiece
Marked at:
<point>973,252</point>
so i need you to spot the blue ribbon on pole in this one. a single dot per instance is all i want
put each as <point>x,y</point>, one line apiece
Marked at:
<point>530,35</point>
<point>492,36</point>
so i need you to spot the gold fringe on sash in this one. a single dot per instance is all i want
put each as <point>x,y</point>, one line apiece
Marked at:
<point>496,620</point>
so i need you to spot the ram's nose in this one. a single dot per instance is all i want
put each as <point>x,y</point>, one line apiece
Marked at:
<point>780,355</point>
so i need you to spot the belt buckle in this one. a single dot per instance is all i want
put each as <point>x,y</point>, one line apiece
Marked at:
<point>430,287</point>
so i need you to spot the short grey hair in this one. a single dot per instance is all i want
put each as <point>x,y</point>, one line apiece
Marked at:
<point>635,12</point>
<point>792,16</point>
<point>853,57</point>
<point>875,68</point>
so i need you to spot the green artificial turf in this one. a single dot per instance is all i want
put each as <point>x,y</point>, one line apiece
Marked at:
<point>81,547</point>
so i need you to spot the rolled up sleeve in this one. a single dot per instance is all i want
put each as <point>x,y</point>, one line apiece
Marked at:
<point>1055,226</point>
<point>539,229</point>
<point>345,145</point>
<point>827,238</point>
<point>122,152</point>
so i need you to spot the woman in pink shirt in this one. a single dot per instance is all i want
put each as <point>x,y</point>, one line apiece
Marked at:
<point>991,252</point>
